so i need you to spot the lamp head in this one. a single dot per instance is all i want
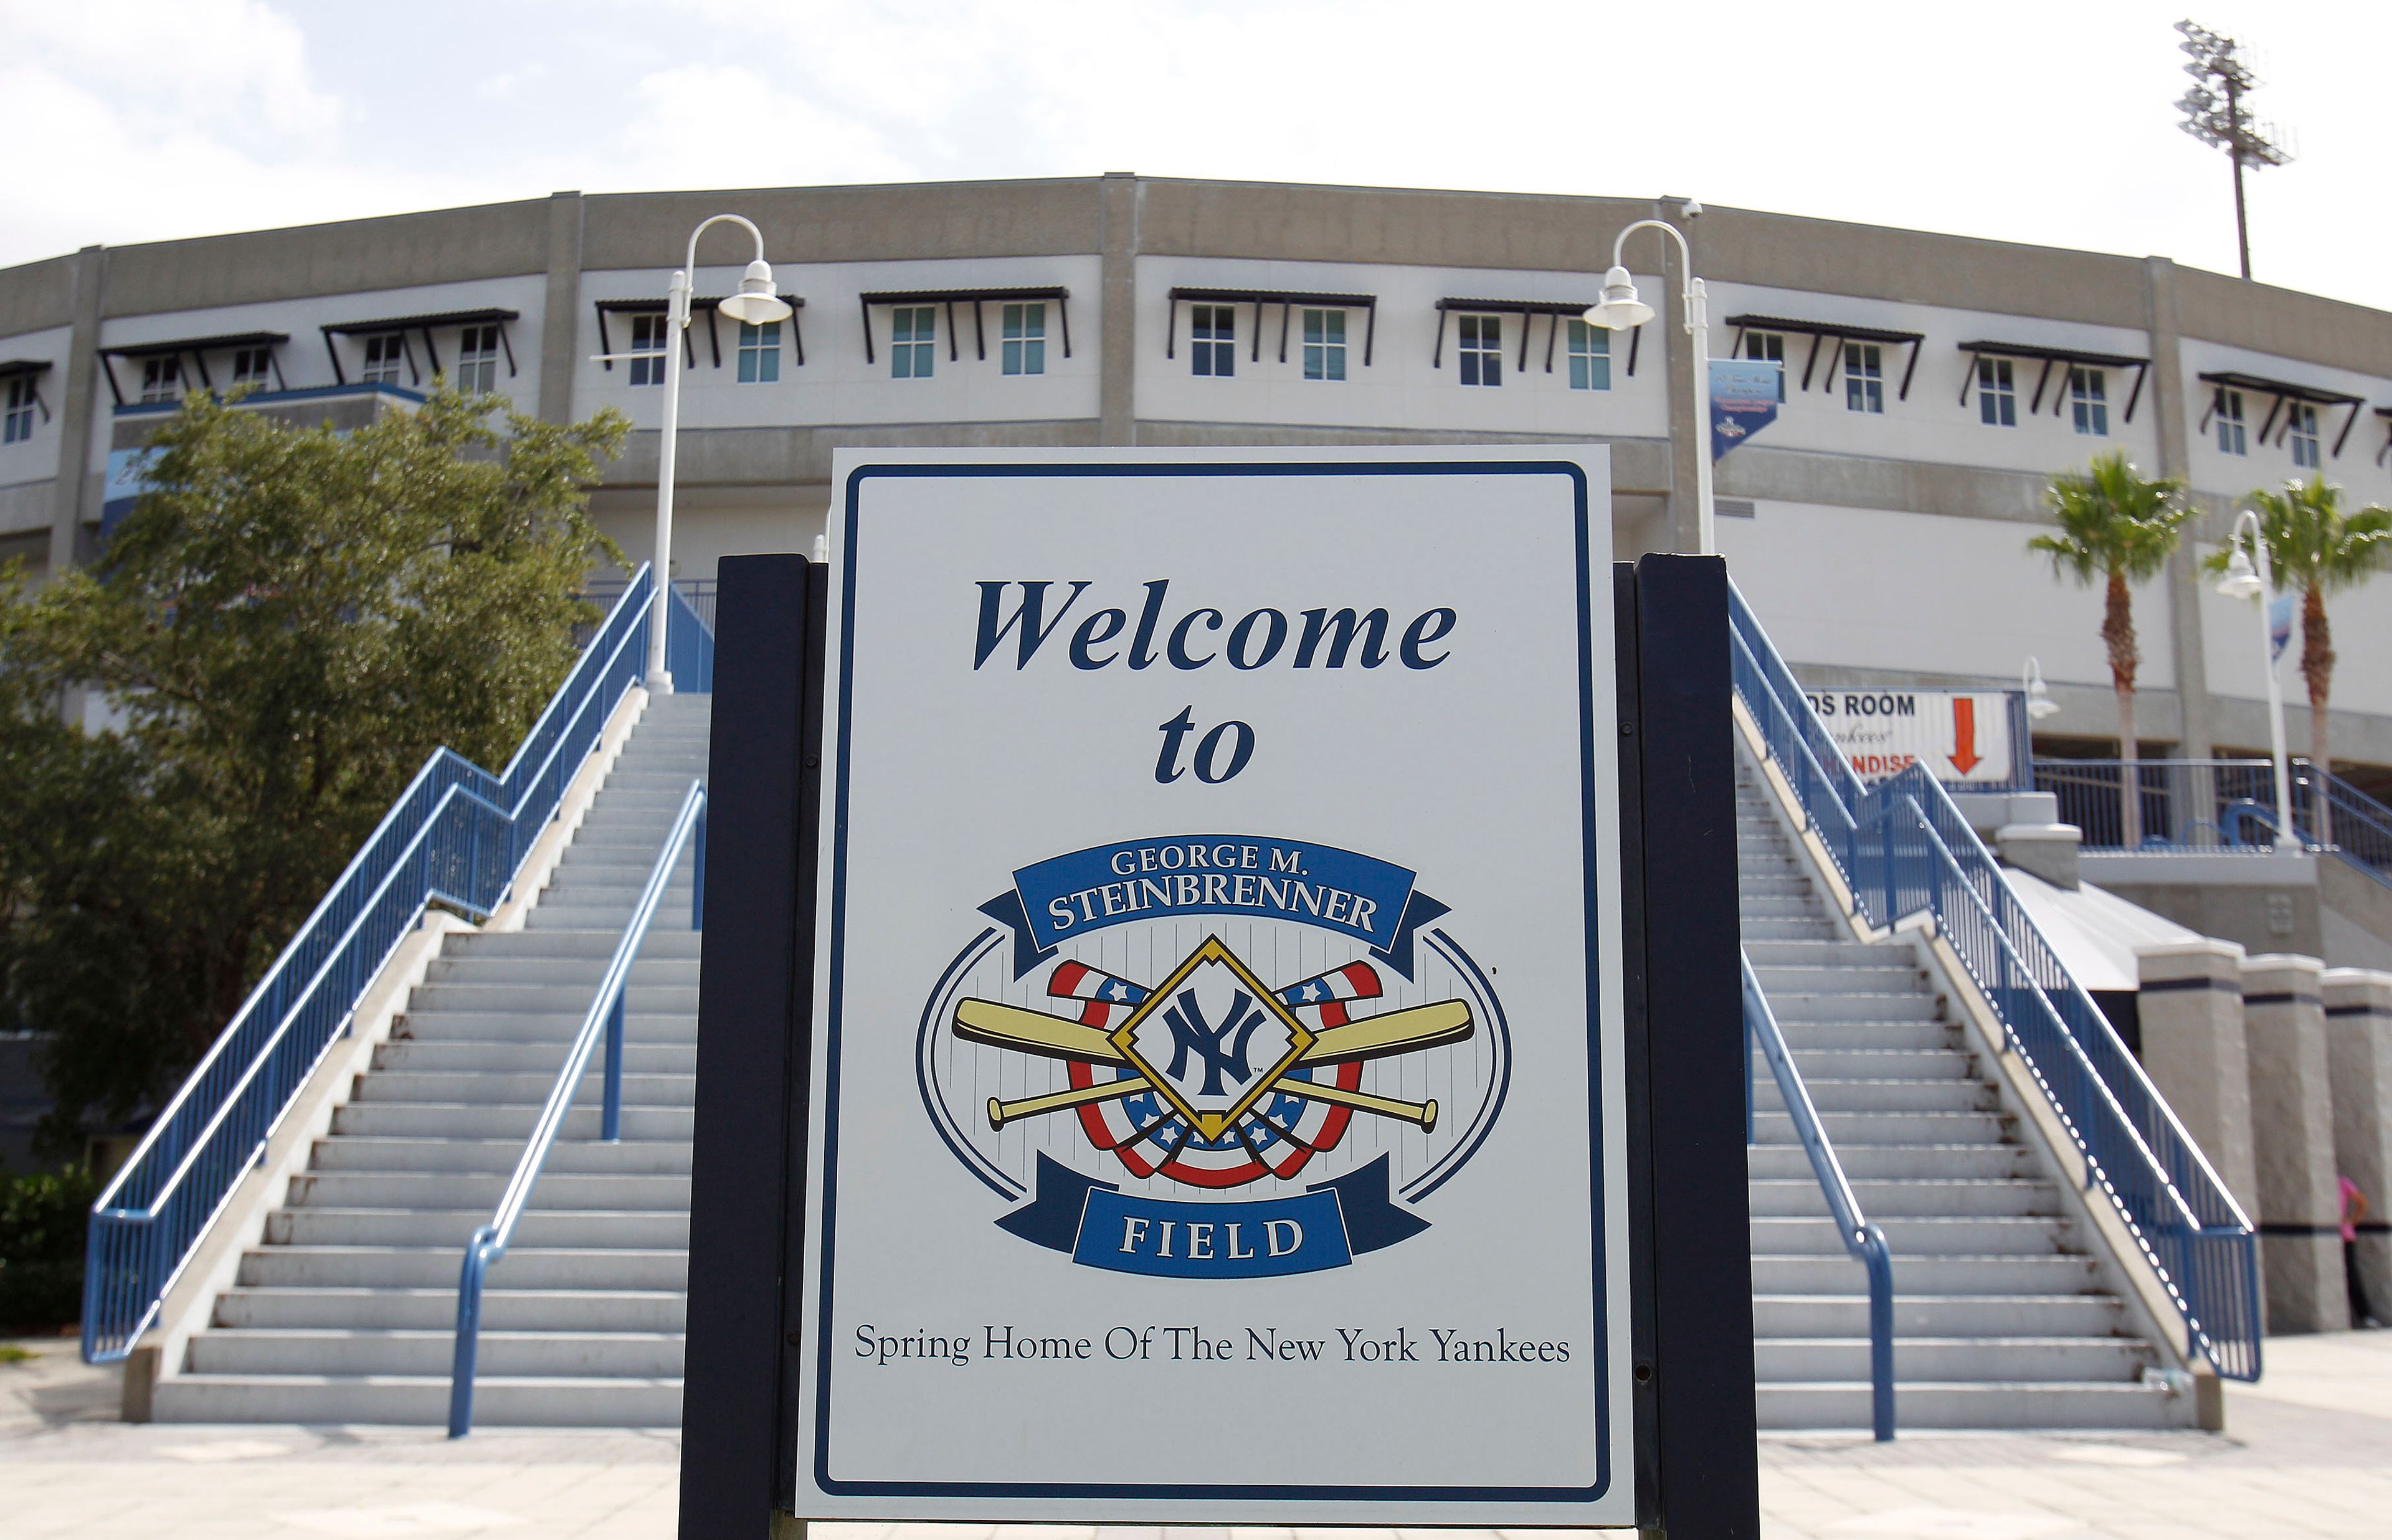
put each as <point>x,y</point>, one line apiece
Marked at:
<point>2039,703</point>
<point>759,302</point>
<point>2242,581</point>
<point>1620,309</point>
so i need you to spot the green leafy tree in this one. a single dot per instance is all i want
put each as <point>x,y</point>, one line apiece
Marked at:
<point>288,622</point>
<point>2317,549</point>
<point>2114,526</point>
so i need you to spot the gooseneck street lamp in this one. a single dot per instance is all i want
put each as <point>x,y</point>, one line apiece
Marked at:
<point>2244,581</point>
<point>1620,310</point>
<point>757,303</point>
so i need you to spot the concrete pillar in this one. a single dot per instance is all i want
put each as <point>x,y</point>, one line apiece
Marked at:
<point>2292,1130</point>
<point>2190,1004</point>
<point>560,328</point>
<point>2359,1052</point>
<point>80,404</point>
<point>2165,402</point>
<point>1123,197</point>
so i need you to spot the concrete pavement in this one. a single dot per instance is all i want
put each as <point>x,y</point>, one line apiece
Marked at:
<point>2308,1453</point>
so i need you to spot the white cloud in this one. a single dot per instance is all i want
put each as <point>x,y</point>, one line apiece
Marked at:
<point>724,126</point>
<point>227,62</point>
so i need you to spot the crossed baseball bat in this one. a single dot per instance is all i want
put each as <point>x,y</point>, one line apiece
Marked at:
<point>1056,1037</point>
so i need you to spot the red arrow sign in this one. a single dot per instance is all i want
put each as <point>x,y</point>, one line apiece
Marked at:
<point>1964,736</point>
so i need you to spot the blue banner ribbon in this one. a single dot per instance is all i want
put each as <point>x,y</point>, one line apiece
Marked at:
<point>1328,1225</point>
<point>1359,896</point>
<point>1745,393</point>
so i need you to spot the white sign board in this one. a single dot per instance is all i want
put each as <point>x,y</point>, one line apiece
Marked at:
<point>1216,1104</point>
<point>1963,737</point>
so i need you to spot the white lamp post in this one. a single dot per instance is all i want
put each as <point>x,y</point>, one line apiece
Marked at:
<point>1620,310</point>
<point>757,304</point>
<point>2039,703</point>
<point>2244,581</point>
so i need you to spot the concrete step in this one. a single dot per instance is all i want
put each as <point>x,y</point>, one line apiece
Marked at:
<point>605,1268</point>
<point>1787,1163</point>
<point>549,1027</point>
<point>1767,906</point>
<point>462,1120</point>
<point>2013,1407</point>
<point>1919,1272</point>
<point>2005,1359</point>
<point>1884,975</point>
<point>1822,954</point>
<point>373,1350</point>
<point>1881,1064</point>
<point>1910,1197</point>
<point>466,1055</point>
<point>568,1229</point>
<point>1848,1130</point>
<point>583,973</point>
<point>1909,1237</point>
<point>418,1400</point>
<point>436,1310</point>
<point>591,1191</point>
<point>1955,1316</point>
<point>1824,1035</point>
<point>1783,929</point>
<point>549,997</point>
<point>1789,1006</point>
<point>664,942</point>
<point>624,1158</point>
<point>1831,1094</point>
<point>527,1090</point>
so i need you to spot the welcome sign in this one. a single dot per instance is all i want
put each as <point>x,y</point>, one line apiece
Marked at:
<point>1217,1095</point>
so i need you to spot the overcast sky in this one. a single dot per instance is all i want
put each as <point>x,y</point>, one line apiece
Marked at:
<point>137,120</point>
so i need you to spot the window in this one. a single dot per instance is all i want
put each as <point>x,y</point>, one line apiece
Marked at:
<point>1589,357</point>
<point>1996,394</point>
<point>384,356</point>
<point>251,366</point>
<point>760,353</point>
<point>1482,350</point>
<point>2230,440</point>
<point>1025,339</point>
<point>1213,332</point>
<point>162,379</point>
<point>1863,378</point>
<point>2302,432</point>
<point>1768,347</point>
<point>648,336</point>
<point>477,359</point>
<point>1324,345</point>
<point>2089,401</point>
<point>912,328</point>
<point>17,425</point>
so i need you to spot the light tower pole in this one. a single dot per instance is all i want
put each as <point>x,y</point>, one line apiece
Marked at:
<point>2218,118</point>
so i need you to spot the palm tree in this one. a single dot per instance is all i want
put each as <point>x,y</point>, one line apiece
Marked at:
<point>2114,526</point>
<point>2315,547</point>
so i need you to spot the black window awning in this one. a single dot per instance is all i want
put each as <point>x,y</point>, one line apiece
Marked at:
<point>2049,355</point>
<point>976,298</point>
<point>1526,309</point>
<point>2280,392</point>
<point>196,349</point>
<point>1287,300</point>
<point>2386,413</point>
<point>423,323</point>
<point>1820,331</point>
<point>28,368</point>
<point>711,304</point>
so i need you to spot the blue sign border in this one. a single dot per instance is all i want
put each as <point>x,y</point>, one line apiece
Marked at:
<point>834,1023</point>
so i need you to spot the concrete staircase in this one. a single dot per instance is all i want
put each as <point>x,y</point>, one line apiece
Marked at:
<point>2000,1318</point>
<point>346,1314</point>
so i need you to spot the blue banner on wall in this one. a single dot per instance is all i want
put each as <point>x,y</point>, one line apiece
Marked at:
<point>1745,393</point>
<point>1370,899</point>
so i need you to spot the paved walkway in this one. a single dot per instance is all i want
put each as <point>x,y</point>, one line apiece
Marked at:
<point>2309,1453</point>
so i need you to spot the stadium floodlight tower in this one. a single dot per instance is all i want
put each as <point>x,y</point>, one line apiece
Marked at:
<point>2214,114</point>
<point>757,303</point>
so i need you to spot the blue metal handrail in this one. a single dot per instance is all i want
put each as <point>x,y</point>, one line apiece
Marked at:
<point>689,639</point>
<point>1863,1240</point>
<point>455,837</point>
<point>1903,849</point>
<point>605,1018</point>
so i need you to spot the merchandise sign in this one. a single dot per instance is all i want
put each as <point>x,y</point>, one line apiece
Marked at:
<point>1745,394</point>
<point>1218,1101</point>
<point>1964,738</point>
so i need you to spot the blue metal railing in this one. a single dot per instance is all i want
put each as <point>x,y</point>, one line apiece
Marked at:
<point>605,1018</point>
<point>456,837</point>
<point>689,639</point>
<point>1863,1240</point>
<point>1903,849</point>
<point>2223,807</point>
